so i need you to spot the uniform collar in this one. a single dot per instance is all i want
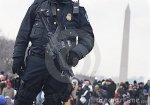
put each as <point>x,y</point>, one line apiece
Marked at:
<point>63,1</point>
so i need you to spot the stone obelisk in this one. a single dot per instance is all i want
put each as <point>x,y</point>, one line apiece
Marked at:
<point>125,47</point>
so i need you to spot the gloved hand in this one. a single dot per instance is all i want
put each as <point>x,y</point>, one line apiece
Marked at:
<point>72,59</point>
<point>18,64</point>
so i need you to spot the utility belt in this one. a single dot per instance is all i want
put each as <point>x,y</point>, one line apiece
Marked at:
<point>36,54</point>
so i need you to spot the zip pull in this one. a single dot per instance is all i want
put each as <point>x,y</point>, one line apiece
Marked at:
<point>65,27</point>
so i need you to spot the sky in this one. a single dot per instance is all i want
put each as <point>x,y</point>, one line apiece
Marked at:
<point>107,20</point>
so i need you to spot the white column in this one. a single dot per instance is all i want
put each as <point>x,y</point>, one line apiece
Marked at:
<point>125,47</point>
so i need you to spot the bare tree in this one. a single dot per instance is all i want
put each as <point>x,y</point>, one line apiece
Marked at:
<point>6,51</point>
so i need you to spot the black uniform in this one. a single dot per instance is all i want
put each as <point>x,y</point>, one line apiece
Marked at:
<point>36,76</point>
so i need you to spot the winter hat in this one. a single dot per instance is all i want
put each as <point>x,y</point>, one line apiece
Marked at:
<point>96,86</point>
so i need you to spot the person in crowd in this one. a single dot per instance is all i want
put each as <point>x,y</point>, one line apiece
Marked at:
<point>79,92</point>
<point>8,90</point>
<point>135,83</point>
<point>99,96</point>
<point>148,82</point>
<point>2,81</point>
<point>120,94</point>
<point>84,93</point>
<point>73,96</point>
<point>127,86</point>
<point>145,94</point>
<point>2,77</point>
<point>110,87</point>
<point>140,95</point>
<point>95,81</point>
<point>133,94</point>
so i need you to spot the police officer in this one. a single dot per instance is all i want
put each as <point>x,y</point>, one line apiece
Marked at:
<point>36,76</point>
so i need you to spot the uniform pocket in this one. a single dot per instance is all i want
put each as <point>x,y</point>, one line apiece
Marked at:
<point>37,31</point>
<point>71,25</point>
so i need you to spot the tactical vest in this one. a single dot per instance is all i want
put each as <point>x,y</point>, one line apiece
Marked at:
<point>67,15</point>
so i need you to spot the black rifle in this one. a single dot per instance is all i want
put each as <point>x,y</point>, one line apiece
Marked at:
<point>54,46</point>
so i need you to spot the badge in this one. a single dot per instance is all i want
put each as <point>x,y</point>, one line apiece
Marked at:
<point>69,17</point>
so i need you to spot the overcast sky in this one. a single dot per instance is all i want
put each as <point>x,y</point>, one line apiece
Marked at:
<point>107,19</point>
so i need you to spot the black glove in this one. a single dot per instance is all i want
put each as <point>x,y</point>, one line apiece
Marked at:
<point>72,59</point>
<point>18,65</point>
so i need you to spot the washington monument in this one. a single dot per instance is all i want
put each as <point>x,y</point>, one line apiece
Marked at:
<point>125,47</point>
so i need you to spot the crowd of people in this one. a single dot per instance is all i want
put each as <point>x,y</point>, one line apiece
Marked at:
<point>7,92</point>
<point>107,92</point>
<point>88,92</point>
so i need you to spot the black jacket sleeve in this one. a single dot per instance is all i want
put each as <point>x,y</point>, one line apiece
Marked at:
<point>86,36</point>
<point>22,39</point>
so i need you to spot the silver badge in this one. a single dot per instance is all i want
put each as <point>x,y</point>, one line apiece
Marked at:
<point>69,17</point>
